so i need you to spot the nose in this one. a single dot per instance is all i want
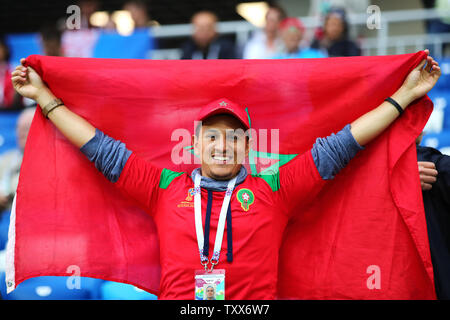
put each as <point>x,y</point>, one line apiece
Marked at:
<point>223,146</point>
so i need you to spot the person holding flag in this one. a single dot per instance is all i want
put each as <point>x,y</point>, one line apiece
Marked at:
<point>254,208</point>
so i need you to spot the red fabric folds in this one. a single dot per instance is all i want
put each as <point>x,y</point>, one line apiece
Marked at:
<point>371,216</point>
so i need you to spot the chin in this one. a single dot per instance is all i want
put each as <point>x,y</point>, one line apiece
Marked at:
<point>222,174</point>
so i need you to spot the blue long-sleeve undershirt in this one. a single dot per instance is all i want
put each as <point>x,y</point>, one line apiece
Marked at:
<point>330,154</point>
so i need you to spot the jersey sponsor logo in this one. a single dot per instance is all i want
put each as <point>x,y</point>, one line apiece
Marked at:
<point>188,201</point>
<point>246,198</point>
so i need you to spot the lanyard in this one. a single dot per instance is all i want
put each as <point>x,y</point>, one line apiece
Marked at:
<point>220,227</point>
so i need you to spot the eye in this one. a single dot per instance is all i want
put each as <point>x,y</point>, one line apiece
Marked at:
<point>211,137</point>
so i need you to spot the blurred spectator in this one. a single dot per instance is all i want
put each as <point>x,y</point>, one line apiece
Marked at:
<point>139,13</point>
<point>6,89</point>
<point>335,39</point>
<point>80,42</point>
<point>266,43</point>
<point>292,31</point>
<point>87,8</point>
<point>436,200</point>
<point>205,43</point>
<point>320,8</point>
<point>442,24</point>
<point>51,41</point>
<point>438,25</point>
<point>10,161</point>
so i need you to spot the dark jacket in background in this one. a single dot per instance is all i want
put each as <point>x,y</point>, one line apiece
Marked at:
<point>218,49</point>
<point>437,212</point>
<point>341,48</point>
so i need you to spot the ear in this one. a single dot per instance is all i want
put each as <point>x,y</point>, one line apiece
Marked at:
<point>247,147</point>
<point>196,144</point>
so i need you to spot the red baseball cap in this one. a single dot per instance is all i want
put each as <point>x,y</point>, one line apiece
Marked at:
<point>224,106</point>
<point>292,23</point>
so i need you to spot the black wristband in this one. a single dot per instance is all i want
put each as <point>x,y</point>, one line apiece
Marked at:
<point>395,104</point>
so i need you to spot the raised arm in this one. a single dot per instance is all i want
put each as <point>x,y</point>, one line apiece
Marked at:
<point>419,81</point>
<point>30,85</point>
<point>136,177</point>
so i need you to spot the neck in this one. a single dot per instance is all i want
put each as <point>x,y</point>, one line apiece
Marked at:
<point>218,185</point>
<point>227,178</point>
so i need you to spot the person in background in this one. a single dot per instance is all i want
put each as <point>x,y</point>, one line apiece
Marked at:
<point>292,31</point>
<point>441,24</point>
<point>434,170</point>
<point>6,87</point>
<point>335,39</point>
<point>10,163</point>
<point>139,13</point>
<point>267,42</point>
<point>205,42</point>
<point>320,8</point>
<point>51,41</point>
<point>87,9</point>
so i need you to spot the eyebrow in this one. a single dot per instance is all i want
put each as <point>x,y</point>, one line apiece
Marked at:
<point>212,130</point>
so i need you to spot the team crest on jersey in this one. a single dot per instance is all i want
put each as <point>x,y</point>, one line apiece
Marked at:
<point>246,198</point>
<point>188,200</point>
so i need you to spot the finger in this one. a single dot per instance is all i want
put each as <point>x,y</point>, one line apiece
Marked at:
<point>16,72</point>
<point>20,72</point>
<point>427,164</point>
<point>427,179</point>
<point>31,69</point>
<point>428,172</point>
<point>436,69</point>
<point>18,79</point>
<point>434,66</point>
<point>425,186</point>
<point>427,51</point>
<point>421,64</point>
<point>429,64</point>
<point>22,61</point>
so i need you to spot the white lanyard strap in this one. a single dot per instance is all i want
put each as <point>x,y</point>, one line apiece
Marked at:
<point>221,225</point>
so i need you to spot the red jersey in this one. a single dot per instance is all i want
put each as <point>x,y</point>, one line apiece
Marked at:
<point>257,227</point>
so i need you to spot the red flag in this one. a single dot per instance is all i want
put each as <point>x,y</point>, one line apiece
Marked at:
<point>363,237</point>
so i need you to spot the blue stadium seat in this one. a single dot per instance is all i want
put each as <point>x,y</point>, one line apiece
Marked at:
<point>440,141</point>
<point>441,112</point>
<point>8,130</point>
<point>22,45</point>
<point>121,291</point>
<point>52,288</point>
<point>444,81</point>
<point>113,45</point>
<point>4,226</point>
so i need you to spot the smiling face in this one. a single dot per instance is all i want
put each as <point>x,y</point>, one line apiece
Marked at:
<point>222,146</point>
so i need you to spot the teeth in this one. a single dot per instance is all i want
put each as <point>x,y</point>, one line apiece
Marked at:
<point>221,158</point>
